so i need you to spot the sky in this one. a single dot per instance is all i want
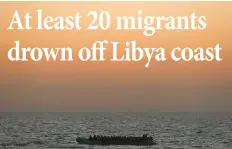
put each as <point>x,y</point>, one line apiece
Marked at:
<point>117,86</point>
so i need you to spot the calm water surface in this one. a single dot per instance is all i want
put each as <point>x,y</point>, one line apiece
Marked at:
<point>169,130</point>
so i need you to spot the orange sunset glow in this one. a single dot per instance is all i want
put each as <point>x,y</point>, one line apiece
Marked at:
<point>117,86</point>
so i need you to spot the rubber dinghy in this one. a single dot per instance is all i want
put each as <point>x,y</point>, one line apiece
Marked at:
<point>138,141</point>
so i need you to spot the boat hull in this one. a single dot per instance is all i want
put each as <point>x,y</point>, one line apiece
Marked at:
<point>114,142</point>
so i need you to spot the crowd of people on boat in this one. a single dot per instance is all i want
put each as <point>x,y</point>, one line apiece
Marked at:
<point>120,138</point>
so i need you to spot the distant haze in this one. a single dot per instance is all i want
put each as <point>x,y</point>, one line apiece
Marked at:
<point>115,86</point>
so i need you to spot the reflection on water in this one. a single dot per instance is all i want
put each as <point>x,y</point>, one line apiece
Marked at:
<point>170,131</point>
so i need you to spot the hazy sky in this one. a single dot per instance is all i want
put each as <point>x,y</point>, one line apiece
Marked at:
<point>105,86</point>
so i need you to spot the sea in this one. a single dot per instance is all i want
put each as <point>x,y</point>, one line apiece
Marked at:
<point>169,130</point>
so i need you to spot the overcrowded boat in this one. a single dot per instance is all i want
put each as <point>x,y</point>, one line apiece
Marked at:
<point>116,140</point>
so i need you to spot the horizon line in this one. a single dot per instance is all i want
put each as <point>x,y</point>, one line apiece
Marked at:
<point>115,111</point>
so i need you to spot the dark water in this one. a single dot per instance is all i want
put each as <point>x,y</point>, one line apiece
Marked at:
<point>170,130</point>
